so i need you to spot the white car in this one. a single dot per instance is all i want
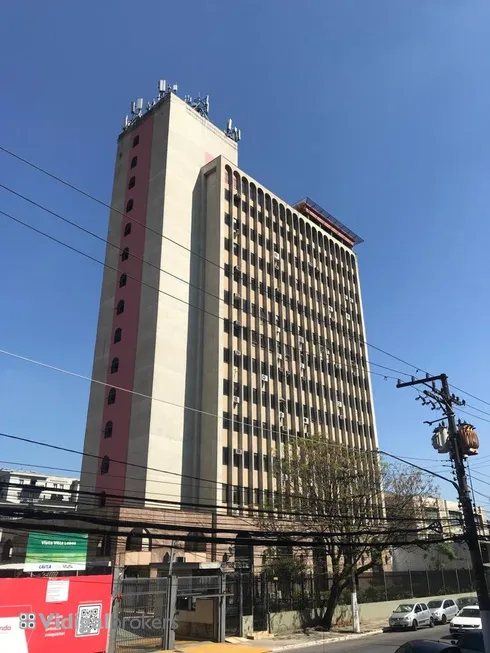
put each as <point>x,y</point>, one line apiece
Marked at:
<point>443,610</point>
<point>411,615</point>
<point>467,619</point>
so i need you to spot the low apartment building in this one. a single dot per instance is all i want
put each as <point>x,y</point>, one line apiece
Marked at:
<point>34,488</point>
<point>441,519</point>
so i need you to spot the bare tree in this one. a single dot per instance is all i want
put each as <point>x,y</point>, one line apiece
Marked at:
<point>337,495</point>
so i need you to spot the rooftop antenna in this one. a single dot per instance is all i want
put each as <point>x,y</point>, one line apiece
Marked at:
<point>137,107</point>
<point>162,88</point>
<point>233,132</point>
<point>175,88</point>
<point>126,122</point>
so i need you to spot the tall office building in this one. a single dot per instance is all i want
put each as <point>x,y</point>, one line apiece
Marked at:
<point>234,318</point>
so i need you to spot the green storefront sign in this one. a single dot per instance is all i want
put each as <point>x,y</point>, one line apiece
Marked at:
<point>56,552</point>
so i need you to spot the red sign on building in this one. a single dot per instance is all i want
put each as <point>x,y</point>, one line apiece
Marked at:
<point>59,615</point>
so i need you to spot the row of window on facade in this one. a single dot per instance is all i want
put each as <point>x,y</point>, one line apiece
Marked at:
<point>341,373</point>
<point>243,304</point>
<point>244,459</point>
<point>295,282</point>
<point>238,495</point>
<point>309,337</point>
<point>309,415</point>
<point>306,247</point>
<point>261,203</point>
<point>323,315</point>
<point>285,353</point>
<point>337,397</point>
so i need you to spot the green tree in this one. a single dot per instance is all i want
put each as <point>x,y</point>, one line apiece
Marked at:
<point>337,495</point>
<point>283,565</point>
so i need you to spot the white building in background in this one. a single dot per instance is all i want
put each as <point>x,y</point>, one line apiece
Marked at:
<point>28,488</point>
<point>445,518</point>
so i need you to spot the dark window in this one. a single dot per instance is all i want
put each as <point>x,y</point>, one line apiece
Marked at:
<point>104,466</point>
<point>129,205</point>
<point>132,182</point>
<point>120,307</point>
<point>134,161</point>
<point>117,335</point>
<point>115,365</point>
<point>111,397</point>
<point>136,140</point>
<point>195,543</point>
<point>125,254</point>
<point>123,280</point>
<point>127,229</point>
<point>108,430</point>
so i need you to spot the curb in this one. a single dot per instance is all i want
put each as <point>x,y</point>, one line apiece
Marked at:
<point>329,640</point>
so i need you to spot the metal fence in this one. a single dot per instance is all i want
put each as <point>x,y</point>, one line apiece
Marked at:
<point>390,586</point>
<point>312,591</point>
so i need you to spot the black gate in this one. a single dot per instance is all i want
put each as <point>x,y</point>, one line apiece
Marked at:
<point>239,599</point>
<point>260,603</point>
<point>232,627</point>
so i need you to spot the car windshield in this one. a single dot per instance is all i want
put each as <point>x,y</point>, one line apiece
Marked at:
<point>434,604</point>
<point>469,612</point>
<point>404,607</point>
<point>467,601</point>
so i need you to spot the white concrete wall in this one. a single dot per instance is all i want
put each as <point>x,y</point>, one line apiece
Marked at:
<point>290,621</point>
<point>192,142</point>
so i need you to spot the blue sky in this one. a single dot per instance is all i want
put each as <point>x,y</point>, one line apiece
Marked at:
<point>377,110</point>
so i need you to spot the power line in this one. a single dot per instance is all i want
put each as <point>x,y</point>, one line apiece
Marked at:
<point>204,509</point>
<point>287,541</point>
<point>158,233</point>
<point>197,532</point>
<point>483,419</point>
<point>470,395</point>
<point>143,260</point>
<point>153,480</point>
<point>201,506</point>
<point>139,394</point>
<point>335,359</point>
<point>140,281</point>
<point>146,227</point>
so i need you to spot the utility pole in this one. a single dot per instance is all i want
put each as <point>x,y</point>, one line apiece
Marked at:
<point>460,442</point>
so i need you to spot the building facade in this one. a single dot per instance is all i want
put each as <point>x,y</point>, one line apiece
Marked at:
<point>19,487</point>
<point>441,519</point>
<point>233,318</point>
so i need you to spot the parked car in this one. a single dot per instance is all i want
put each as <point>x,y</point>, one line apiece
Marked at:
<point>427,646</point>
<point>471,642</point>
<point>466,600</point>
<point>443,610</point>
<point>411,615</point>
<point>467,619</point>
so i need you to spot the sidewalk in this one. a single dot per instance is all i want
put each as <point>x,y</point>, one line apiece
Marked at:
<point>278,643</point>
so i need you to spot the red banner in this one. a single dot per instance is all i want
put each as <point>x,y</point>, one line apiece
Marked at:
<point>59,615</point>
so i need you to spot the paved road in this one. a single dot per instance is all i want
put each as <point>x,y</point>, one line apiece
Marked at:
<point>384,643</point>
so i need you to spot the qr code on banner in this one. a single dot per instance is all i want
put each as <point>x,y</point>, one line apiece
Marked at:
<point>89,620</point>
